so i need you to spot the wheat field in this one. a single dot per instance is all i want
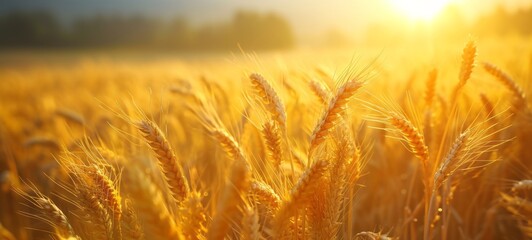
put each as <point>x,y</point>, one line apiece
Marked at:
<point>383,144</point>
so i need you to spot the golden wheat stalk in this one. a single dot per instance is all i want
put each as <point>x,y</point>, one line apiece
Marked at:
<point>332,114</point>
<point>466,68</point>
<point>272,136</point>
<point>250,225</point>
<point>71,116</point>
<point>232,198</point>
<point>300,195</point>
<point>524,186</point>
<point>42,141</point>
<point>430,87</point>
<point>229,144</point>
<point>150,202</point>
<point>265,196</point>
<point>430,93</point>
<point>521,210</point>
<point>326,206</point>
<point>269,98</point>
<point>452,160</point>
<point>131,229</point>
<point>321,91</point>
<point>49,213</point>
<point>61,224</point>
<point>108,193</point>
<point>210,120</point>
<point>193,217</point>
<point>322,212</point>
<point>176,181</point>
<point>468,62</point>
<point>302,191</point>
<point>508,82</point>
<point>354,168</point>
<point>6,234</point>
<point>488,106</point>
<point>94,213</point>
<point>414,138</point>
<point>371,236</point>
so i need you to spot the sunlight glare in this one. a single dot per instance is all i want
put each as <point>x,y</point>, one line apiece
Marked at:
<point>420,9</point>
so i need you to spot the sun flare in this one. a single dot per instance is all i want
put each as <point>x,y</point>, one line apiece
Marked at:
<point>420,9</point>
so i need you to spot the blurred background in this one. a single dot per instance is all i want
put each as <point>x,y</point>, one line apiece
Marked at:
<point>216,25</point>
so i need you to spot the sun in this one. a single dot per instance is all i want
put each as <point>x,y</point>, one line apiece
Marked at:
<point>420,9</point>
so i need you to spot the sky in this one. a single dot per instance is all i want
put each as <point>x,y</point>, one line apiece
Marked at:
<point>306,16</point>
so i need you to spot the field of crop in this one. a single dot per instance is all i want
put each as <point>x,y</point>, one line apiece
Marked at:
<point>367,144</point>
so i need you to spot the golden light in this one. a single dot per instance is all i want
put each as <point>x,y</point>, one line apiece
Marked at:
<point>420,9</point>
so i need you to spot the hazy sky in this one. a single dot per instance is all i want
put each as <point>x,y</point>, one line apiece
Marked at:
<point>306,16</point>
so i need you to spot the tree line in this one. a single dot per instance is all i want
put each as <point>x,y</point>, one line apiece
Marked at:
<point>41,29</point>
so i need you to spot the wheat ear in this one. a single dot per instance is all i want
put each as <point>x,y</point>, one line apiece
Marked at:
<point>414,138</point>
<point>321,91</point>
<point>468,62</point>
<point>466,68</point>
<point>229,144</point>
<point>371,236</point>
<point>272,136</point>
<point>430,87</point>
<point>95,213</point>
<point>168,163</point>
<point>152,207</point>
<point>332,114</point>
<point>250,225</point>
<point>269,98</point>
<point>521,209</point>
<point>131,228</point>
<point>300,195</point>
<point>326,205</point>
<point>488,106</point>
<point>265,196</point>
<point>508,82</point>
<point>232,198</point>
<point>193,217</point>
<point>51,213</point>
<point>452,160</point>
<point>110,196</point>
